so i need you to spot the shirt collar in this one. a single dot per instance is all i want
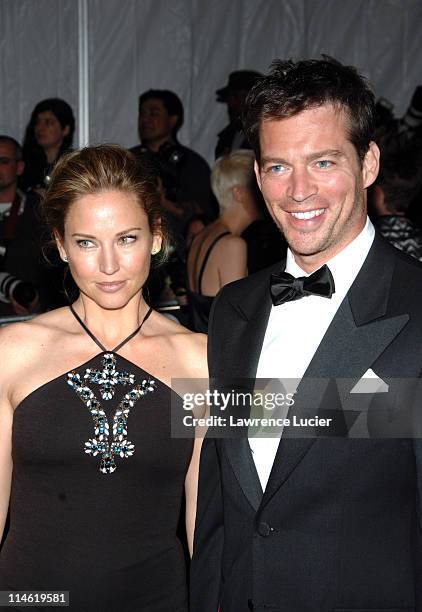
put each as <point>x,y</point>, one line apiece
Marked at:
<point>346,264</point>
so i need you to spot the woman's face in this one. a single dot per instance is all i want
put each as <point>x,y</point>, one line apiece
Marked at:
<point>49,133</point>
<point>108,244</point>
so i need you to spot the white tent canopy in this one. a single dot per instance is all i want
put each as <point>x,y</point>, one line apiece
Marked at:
<point>99,55</point>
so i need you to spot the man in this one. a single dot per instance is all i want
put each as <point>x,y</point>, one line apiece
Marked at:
<point>318,522</point>
<point>19,230</point>
<point>234,94</point>
<point>185,174</point>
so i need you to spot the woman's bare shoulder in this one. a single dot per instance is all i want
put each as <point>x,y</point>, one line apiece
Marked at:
<point>183,344</point>
<point>19,342</point>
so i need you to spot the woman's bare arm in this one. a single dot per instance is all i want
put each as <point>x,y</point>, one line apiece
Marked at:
<point>6,420</point>
<point>191,492</point>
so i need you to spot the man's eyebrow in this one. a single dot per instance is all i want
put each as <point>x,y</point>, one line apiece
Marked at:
<point>325,153</point>
<point>273,160</point>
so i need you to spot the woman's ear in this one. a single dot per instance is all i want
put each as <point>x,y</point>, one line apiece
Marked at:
<point>60,247</point>
<point>157,241</point>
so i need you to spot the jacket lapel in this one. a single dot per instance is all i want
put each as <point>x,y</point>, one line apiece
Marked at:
<point>249,325</point>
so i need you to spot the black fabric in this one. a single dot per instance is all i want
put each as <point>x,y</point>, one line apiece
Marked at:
<point>286,288</point>
<point>200,305</point>
<point>186,180</point>
<point>338,526</point>
<point>226,137</point>
<point>402,233</point>
<point>110,539</point>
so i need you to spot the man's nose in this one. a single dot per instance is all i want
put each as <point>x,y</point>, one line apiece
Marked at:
<point>302,186</point>
<point>109,262</point>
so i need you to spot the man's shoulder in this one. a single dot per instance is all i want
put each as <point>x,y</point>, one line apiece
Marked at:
<point>253,282</point>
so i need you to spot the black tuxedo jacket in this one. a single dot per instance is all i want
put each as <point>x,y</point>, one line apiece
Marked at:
<point>338,527</point>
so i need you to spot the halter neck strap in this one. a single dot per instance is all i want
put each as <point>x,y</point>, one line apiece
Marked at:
<point>97,342</point>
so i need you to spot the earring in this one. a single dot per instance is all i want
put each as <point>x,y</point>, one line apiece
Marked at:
<point>155,251</point>
<point>65,258</point>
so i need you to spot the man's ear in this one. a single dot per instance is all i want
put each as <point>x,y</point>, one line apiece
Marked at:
<point>173,120</point>
<point>66,130</point>
<point>257,174</point>
<point>60,247</point>
<point>370,164</point>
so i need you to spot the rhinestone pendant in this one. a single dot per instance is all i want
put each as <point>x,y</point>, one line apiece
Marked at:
<point>100,443</point>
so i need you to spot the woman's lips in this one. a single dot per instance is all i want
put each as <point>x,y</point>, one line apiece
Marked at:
<point>110,287</point>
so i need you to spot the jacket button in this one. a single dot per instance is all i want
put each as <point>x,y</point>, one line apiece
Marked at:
<point>264,529</point>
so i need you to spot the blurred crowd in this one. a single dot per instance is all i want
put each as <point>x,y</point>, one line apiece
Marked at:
<point>219,224</point>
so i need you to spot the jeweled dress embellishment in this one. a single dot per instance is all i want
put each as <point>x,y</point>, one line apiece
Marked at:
<point>107,379</point>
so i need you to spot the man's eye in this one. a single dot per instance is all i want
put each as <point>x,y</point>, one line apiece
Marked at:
<point>324,163</point>
<point>276,169</point>
<point>85,244</point>
<point>127,239</point>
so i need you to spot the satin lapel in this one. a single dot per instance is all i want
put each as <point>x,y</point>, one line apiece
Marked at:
<point>354,340</point>
<point>247,335</point>
<point>242,463</point>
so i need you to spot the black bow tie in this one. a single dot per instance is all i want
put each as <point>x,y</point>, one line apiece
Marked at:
<point>285,288</point>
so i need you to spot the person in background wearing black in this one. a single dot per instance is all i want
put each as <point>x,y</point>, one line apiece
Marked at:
<point>234,94</point>
<point>48,135</point>
<point>19,234</point>
<point>184,183</point>
<point>185,175</point>
<point>397,184</point>
<point>218,255</point>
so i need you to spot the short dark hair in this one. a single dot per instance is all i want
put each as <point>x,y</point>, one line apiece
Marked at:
<point>16,145</point>
<point>292,87</point>
<point>63,113</point>
<point>171,101</point>
<point>400,175</point>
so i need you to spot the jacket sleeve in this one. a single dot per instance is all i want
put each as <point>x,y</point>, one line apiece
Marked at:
<point>205,573</point>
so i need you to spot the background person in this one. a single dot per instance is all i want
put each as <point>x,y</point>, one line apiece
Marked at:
<point>233,95</point>
<point>218,254</point>
<point>96,484</point>
<point>48,135</point>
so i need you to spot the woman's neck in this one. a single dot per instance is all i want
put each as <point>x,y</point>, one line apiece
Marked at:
<point>52,154</point>
<point>111,326</point>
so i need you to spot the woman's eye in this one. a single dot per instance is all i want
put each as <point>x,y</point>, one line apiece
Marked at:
<point>127,239</point>
<point>324,163</point>
<point>85,244</point>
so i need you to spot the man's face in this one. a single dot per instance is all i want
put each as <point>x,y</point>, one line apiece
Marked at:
<point>313,182</point>
<point>10,169</point>
<point>155,123</point>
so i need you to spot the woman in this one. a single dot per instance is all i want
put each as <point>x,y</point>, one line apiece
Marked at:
<point>97,479</point>
<point>218,254</point>
<point>48,135</point>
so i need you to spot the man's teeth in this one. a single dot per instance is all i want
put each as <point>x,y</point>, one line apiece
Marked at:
<point>310,214</point>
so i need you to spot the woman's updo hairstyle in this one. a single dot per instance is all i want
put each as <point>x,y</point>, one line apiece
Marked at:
<point>97,169</point>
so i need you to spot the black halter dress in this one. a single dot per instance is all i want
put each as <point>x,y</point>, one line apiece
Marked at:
<point>97,490</point>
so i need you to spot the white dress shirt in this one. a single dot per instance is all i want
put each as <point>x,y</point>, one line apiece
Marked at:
<point>295,330</point>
